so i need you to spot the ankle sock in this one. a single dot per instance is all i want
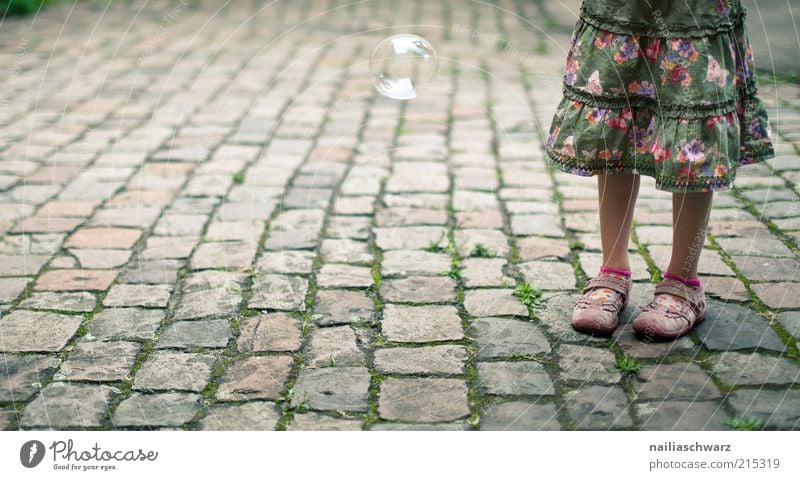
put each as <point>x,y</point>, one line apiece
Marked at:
<point>604,269</point>
<point>606,294</point>
<point>692,282</point>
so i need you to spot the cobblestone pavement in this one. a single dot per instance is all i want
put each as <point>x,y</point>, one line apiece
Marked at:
<point>210,220</point>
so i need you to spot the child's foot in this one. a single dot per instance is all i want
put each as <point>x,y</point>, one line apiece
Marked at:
<point>604,297</point>
<point>676,308</point>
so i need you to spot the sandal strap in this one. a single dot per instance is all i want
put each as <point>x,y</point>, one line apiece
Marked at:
<point>675,288</point>
<point>607,281</point>
<point>678,291</point>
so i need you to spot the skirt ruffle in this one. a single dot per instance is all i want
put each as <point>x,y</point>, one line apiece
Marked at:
<point>682,154</point>
<point>685,111</point>
<point>679,77</point>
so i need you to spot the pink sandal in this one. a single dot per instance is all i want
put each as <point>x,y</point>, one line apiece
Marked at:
<point>597,311</point>
<point>666,320</point>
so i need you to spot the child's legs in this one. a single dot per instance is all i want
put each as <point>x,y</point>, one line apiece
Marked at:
<point>690,213</point>
<point>617,195</point>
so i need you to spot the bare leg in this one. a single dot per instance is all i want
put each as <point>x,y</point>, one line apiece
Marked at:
<point>597,311</point>
<point>617,194</point>
<point>669,316</point>
<point>690,213</point>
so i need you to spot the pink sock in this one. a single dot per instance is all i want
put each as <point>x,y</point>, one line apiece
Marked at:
<point>604,269</point>
<point>694,282</point>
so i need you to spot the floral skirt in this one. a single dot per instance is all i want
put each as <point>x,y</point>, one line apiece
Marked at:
<point>684,110</point>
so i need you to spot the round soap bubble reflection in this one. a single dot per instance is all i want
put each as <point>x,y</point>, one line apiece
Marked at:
<point>403,64</point>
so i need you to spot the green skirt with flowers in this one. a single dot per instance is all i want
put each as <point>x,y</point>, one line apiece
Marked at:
<point>661,88</point>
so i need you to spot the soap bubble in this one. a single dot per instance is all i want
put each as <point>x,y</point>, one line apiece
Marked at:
<point>402,64</point>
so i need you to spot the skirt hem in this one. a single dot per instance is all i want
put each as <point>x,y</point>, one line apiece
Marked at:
<point>677,184</point>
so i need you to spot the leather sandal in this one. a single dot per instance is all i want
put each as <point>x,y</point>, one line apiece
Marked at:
<point>660,321</point>
<point>599,314</point>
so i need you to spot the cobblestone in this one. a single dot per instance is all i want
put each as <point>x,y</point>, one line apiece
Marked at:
<point>334,346</point>
<point>599,408</point>
<point>248,416</point>
<point>125,323</point>
<point>485,272</point>
<point>200,333</point>
<point>123,295</point>
<point>504,337</point>
<point>68,301</point>
<point>493,241</point>
<point>736,368</point>
<point>278,292</point>
<point>337,276</point>
<point>28,331</point>
<point>254,378</point>
<point>67,280</point>
<point>153,272</point>
<point>520,416</point>
<point>99,361</point>
<point>632,345</point>
<point>514,378</point>
<point>421,324</point>
<point>68,405</point>
<point>423,400</point>
<point>733,327</point>
<point>174,370</point>
<point>682,415</point>
<point>586,364</point>
<point>548,275</point>
<point>775,409</point>
<point>156,410</point>
<point>342,306</point>
<point>313,421</point>
<point>419,290</point>
<point>276,332</point>
<point>20,375</point>
<point>409,238</point>
<point>677,381</point>
<point>778,295</point>
<point>433,360</point>
<point>414,262</point>
<point>339,388</point>
<point>346,251</point>
<point>487,302</point>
